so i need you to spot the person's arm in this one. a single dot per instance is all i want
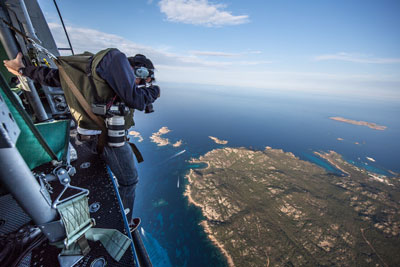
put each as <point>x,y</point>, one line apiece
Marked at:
<point>115,69</point>
<point>43,75</point>
<point>156,88</point>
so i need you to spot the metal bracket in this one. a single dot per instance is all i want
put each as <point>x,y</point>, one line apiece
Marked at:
<point>8,122</point>
<point>54,231</point>
<point>94,207</point>
<point>42,49</point>
<point>45,187</point>
<point>63,175</point>
<point>69,261</point>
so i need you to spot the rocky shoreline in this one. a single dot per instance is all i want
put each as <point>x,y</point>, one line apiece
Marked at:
<point>204,224</point>
<point>270,207</point>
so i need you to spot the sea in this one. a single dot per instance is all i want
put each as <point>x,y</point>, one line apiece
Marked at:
<point>294,121</point>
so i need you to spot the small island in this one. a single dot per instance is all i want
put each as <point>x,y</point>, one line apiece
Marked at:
<point>218,141</point>
<point>269,208</point>
<point>157,136</point>
<point>177,143</point>
<point>362,123</point>
<point>137,135</point>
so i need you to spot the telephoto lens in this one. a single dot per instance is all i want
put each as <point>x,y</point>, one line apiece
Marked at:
<point>115,131</point>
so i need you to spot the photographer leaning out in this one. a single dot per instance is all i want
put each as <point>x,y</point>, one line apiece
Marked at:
<point>110,80</point>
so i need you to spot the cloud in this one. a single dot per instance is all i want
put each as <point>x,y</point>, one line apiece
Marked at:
<point>357,58</point>
<point>199,12</point>
<point>253,63</point>
<point>84,39</point>
<point>213,53</point>
<point>257,81</point>
<point>193,69</point>
<point>221,54</point>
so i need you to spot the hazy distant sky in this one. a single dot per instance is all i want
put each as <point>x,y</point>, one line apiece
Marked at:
<point>350,47</point>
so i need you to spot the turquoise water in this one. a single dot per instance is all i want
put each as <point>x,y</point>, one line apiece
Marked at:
<point>294,122</point>
<point>322,163</point>
<point>370,167</point>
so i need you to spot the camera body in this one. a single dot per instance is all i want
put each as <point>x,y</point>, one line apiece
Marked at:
<point>115,122</point>
<point>117,109</point>
<point>148,108</point>
<point>143,69</point>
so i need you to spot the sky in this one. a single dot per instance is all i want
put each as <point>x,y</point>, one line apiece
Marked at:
<point>339,47</point>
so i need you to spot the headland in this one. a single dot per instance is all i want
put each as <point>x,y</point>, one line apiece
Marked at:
<point>269,207</point>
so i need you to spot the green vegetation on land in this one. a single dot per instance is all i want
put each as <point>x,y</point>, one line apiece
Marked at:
<point>269,208</point>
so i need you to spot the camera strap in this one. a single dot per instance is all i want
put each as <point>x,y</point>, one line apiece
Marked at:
<point>85,105</point>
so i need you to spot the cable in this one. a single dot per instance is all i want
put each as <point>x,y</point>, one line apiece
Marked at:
<point>65,30</point>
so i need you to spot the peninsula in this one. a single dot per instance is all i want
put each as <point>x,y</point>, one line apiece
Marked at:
<point>269,208</point>
<point>363,123</point>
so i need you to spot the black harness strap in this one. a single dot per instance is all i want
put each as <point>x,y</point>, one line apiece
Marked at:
<point>137,153</point>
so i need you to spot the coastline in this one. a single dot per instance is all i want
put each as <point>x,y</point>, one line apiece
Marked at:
<point>204,223</point>
<point>327,158</point>
<point>284,170</point>
<point>214,240</point>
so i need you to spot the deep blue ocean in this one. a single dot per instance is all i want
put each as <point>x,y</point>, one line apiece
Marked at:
<point>293,121</point>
